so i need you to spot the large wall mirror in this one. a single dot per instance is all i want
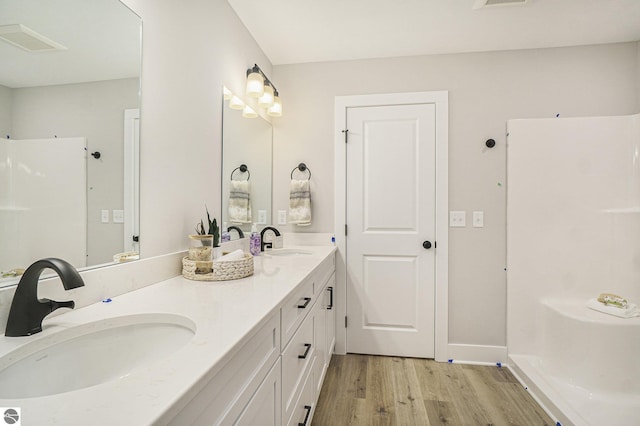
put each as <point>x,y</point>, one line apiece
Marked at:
<point>246,142</point>
<point>69,120</point>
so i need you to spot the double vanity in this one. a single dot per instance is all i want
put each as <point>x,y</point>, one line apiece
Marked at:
<point>180,352</point>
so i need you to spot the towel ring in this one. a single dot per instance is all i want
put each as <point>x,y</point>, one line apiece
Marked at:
<point>303,168</point>
<point>243,168</point>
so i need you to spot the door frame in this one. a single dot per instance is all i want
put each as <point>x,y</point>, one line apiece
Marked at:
<point>441,101</point>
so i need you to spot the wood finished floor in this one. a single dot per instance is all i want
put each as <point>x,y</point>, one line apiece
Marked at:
<point>376,390</point>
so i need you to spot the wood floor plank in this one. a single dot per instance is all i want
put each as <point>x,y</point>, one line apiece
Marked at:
<point>409,403</point>
<point>442,413</point>
<point>364,390</point>
<point>380,399</point>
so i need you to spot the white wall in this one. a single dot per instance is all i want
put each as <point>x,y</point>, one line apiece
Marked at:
<point>94,111</point>
<point>485,90</point>
<point>190,50</point>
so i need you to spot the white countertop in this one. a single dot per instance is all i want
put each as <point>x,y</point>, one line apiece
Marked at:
<point>224,314</point>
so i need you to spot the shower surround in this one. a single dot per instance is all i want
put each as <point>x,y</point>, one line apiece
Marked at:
<point>573,232</point>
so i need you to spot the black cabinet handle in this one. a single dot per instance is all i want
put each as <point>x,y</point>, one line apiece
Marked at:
<point>305,304</point>
<point>306,351</point>
<point>330,289</point>
<point>306,418</point>
<point>426,245</point>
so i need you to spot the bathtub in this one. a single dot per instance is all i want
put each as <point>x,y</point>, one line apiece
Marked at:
<point>586,371</point>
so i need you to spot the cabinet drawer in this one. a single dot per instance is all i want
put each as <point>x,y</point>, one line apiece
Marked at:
<point>295,361</point>
<point>295,308</point>
<point>303,409</point>
<point>225,395</point>
<point>264,408</point>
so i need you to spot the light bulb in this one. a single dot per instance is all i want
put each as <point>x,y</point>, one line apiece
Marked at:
<point>236,103</point>
<point>248,112</point>
<point>266,100</point>
<point>227,93</point>
<point>255,84</point>
<point>275,110</point>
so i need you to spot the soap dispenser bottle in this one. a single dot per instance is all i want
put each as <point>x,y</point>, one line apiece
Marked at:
<point>254,240</point>
<point>224,235</point>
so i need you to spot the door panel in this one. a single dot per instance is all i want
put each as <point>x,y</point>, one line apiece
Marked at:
<point>390,212</point>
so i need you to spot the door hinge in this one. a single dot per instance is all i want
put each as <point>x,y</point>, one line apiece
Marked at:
<point>346,132</point>
<point>345,229</point>
<point>345,321</point>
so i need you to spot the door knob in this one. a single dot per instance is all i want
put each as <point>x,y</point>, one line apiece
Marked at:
<point>427,245</point>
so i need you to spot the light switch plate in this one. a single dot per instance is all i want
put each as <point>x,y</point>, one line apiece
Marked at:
<point>478,219</point>
<point>105,216</point>
<point>282,217</point>
<point>118,216</point>
<point>262,217</point>
<point>457,219</point>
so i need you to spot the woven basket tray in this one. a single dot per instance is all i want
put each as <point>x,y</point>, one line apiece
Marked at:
<point>217,271</point>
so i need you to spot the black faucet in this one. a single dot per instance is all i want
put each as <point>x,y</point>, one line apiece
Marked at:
<point>240,233</point>
<point>262,243</point>
<point>27,311</point>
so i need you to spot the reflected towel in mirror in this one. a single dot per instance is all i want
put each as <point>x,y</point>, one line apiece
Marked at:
<point>239,201</point>
<point>300,202</point>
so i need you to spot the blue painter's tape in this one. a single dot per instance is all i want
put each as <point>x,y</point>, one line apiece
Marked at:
<point>499,364</point>
<point>451,361</point>
<point>107,300</point>
<point>558,424</point>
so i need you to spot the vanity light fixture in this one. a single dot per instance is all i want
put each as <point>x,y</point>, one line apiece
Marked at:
<point>275,110</point>
<point>259,86</point>
<point>227,93</point>
<point>255,82</point>
<point>266,100</point>
<point>236,102</point>
<point>248,112</point>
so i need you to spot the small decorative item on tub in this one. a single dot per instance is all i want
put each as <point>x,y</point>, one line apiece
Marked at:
<point>615,305</point>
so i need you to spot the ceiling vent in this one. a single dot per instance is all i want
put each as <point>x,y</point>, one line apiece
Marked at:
<point>27,39</point>
<point>479,4</point>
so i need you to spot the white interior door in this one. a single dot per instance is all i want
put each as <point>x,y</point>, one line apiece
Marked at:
<point>390,205</point>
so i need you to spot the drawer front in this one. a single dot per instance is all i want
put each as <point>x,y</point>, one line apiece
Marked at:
<point>295,361</point>
<point>265,406</point>
<point>303,409</point>
<point>235,383</point>
<point>295,308</point>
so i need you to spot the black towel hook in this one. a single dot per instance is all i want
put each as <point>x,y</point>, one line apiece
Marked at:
<point>243,169</point>
<point>303,168</point>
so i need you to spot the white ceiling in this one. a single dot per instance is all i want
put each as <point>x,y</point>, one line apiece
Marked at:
<point>102,37</point>
<point>298,31</point>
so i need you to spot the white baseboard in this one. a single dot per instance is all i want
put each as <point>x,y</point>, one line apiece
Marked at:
<point>477,354</point>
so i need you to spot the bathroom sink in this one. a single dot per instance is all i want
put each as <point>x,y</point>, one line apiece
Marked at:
<point>91,354</point>
<point>288,252</point>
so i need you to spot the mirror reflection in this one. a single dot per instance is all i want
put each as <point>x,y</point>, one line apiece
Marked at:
<point>246,168</point>
<point>69,121</point>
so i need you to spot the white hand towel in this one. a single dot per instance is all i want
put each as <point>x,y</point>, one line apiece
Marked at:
<point>300,202</point>
<point>239,201</point>
<point>234,255</point>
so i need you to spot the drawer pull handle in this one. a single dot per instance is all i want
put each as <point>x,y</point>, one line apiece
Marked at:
<point>305,304</point>
<point>306,351</point>
<point>306,418</point>
<point>330,297</point>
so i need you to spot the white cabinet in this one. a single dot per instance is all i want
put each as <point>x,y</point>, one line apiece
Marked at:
<point>223,398</point>
<point>275,377</point>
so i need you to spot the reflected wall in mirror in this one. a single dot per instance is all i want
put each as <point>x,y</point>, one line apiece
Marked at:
<point>245,141</point>
<point>69,121</point>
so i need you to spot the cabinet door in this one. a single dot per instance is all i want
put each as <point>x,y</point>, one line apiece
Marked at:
<point>331,318</point>
<point>264,408</point>
<point>320,340</point>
